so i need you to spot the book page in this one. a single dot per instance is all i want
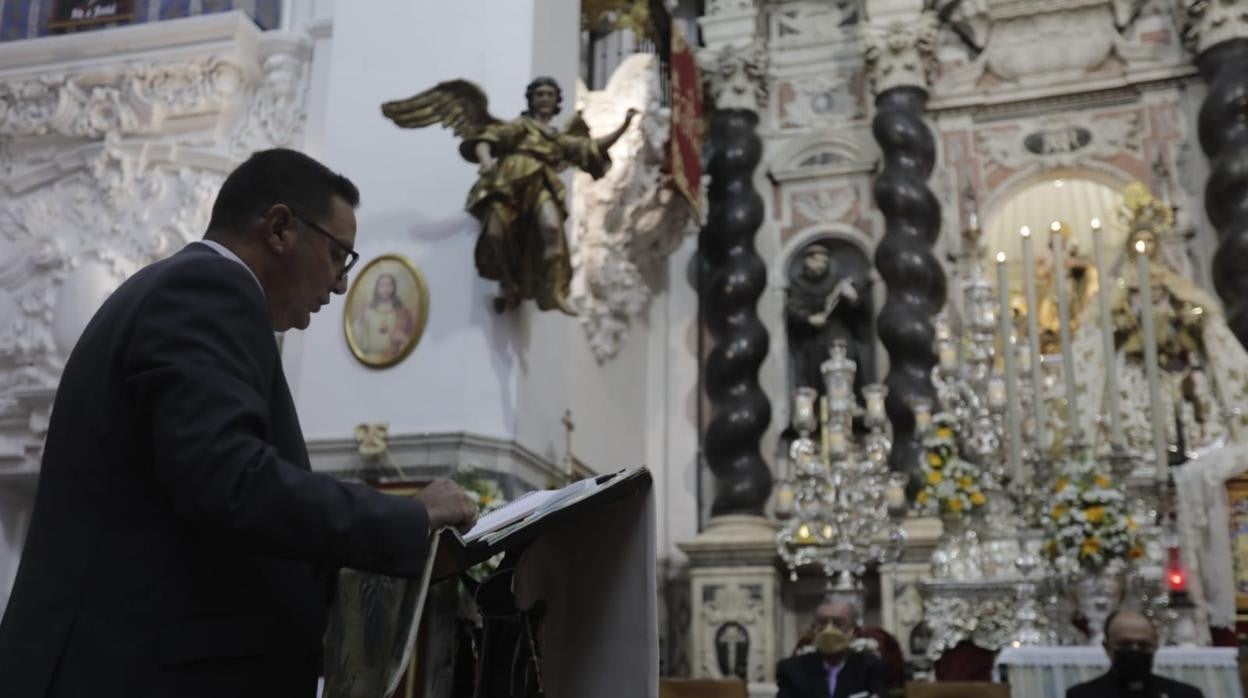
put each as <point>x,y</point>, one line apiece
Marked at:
<point>510,513</point>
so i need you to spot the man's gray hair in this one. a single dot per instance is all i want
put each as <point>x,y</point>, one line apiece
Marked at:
<point>852,601</point>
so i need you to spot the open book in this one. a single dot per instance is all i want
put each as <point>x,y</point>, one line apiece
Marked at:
<point>522,519</point>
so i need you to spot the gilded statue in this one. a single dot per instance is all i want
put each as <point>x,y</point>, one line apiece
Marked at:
<point>518,197</point>
<point>1081,282</point>
<point>1203,368</point>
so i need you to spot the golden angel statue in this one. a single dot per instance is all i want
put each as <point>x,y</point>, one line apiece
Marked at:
<point>1204,369</point>
<point>518,197</point>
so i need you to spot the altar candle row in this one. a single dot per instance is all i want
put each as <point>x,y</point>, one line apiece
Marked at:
<point>1015,353</point>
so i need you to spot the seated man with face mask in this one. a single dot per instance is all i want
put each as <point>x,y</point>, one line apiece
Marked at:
<point>832,670</point>
<point>1131,641</point>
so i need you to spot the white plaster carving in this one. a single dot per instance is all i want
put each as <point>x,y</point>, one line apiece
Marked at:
<point>801,23</point>
<point>736,76</point>
<point>901,51</point>
<point>1052,42</point>
<point>112,163</point>
<point>824,205</point>
<point>1060,141</point>
<point>818,100</point>
<point>719,7</point>
<point>630,220</point>
<point>1206,23</point>
<point>134,98</point>
<point>735,606</point>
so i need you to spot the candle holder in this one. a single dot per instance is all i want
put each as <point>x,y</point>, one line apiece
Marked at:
<point>843,494</point>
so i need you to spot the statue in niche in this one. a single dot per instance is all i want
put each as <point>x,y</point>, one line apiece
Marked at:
<point>1204,369</point>
<point>1081,281</point>
<point>518,196</point>
<point>829,298</point>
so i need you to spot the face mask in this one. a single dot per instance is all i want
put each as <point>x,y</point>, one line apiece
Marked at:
<point>831,640</point>
<point>1133,668</point>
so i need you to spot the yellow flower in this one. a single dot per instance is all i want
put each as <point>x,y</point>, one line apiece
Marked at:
<point>487,499</point>
<point>944,433</point>
<point>1136,552</point>
<point>966,481</point>
<point>1090,547</point>
<point>1059,511</point>
<point>1102,481</point>
<point>978,499</point>
<point>1131,524</point>
<point>955,505</point>
<point>1094,514</point>
<point>935,460</point>
<point>921,497</point>
<point>935,478</point>
<point>1061,484</point>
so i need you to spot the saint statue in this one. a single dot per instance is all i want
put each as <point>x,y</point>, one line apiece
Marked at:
<point>518,197</point>
<point>828,302</point>
<point>1203,368</point>
<point>1081,280</point>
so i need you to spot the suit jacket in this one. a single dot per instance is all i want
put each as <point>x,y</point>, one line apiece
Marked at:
<point>180,544</point>
<point>1106,686</point>
<point>805,676</point>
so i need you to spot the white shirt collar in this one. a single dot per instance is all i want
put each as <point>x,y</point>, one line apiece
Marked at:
<point>229,254</point>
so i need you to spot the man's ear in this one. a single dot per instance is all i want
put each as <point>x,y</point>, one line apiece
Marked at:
<point>278,229</point>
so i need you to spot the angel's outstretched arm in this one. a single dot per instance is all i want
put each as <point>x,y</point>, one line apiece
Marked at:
<point>609,140</point>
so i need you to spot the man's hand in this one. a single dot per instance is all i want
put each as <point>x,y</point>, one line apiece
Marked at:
<point>448,505</point>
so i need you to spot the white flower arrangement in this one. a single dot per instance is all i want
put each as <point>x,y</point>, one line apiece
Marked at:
<point>488,496</point>
<point>951,486</point>
<point>1090,524</point>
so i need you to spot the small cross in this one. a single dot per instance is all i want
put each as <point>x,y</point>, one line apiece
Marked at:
<point>568,428</point>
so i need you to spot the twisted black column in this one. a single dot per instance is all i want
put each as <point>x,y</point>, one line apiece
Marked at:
<point>734,279</point>
<point>1223,127</point>
<point>914,277</point>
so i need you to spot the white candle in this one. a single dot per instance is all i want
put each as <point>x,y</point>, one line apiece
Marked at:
<point>1013,413</point>
<point>837,443</point>
<point>996,392</point>
<point>948,355</point>
<point>1156,417</point>
<point>1033,341</point>
<point>922,408</point>
<point>1063,314</point>
<point>1107,337</point>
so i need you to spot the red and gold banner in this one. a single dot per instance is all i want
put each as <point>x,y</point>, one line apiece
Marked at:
<point>685,146</point>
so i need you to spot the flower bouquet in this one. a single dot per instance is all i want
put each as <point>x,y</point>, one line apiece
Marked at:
<point>1091,526</point>
<point>488,496</point>
<point>951,487</point>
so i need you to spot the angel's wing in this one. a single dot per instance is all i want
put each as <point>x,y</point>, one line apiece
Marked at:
<point>455,104</point>
<point>576,126</point>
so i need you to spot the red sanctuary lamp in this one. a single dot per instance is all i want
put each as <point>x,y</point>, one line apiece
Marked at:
<point>1183,631</point>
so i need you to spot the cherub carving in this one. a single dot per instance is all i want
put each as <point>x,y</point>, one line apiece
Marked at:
<point>518,197</point>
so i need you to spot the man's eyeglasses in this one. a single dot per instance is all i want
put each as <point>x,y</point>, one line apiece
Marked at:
<point>349,256</point>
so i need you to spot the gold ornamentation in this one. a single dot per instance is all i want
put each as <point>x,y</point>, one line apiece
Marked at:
<point>518,197</point>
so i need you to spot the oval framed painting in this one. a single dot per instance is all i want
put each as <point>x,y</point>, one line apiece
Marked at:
<point>386,311</point>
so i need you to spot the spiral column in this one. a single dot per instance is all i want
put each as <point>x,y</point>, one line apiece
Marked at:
<point>1223,129</point>
<point>899,59</point>
<point>734,279</point>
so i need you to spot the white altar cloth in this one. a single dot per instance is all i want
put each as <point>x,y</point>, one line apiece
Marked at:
<point>1046,672</point>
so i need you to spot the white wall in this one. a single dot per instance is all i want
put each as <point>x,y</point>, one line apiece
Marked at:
<point>509,376</point>
<point>464,374</point>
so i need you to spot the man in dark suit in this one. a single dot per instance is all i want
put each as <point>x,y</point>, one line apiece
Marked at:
<point>843,613</point>
<point>832,670</point>
<point>1131,642</point>
<point>180,544</point>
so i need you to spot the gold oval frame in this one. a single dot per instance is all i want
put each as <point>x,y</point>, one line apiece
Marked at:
<point>422,312</point>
